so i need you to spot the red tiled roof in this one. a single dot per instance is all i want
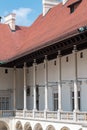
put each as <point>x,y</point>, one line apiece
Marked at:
<point>57,23</point>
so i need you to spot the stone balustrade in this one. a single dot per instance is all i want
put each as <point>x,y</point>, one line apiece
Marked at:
<point>7,113</point>
<point>51,115</point>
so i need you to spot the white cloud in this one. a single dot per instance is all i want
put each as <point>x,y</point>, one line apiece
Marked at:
<point>22,16</point>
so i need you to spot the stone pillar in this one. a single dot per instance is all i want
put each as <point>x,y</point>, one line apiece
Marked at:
<point>34,84</point>
<point>14,90</point>
<point>46,82</point>
<point>59,85</point>
<point>25,87</point>
<point>75,80</point>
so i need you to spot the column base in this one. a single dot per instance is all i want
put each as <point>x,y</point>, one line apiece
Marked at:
<point>34,110</point>
<point>75,111</point>
<point>45,113</point>
<point>24,112</point>
<point>14,109</point>
<point>59,114</point>
<point>60,110</point>
<point>45,110</point>
<point>24,109</point>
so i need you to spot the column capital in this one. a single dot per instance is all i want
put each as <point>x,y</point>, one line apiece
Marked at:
<point>34,63</point>
<point>24,64</point>
<point>45,57</point>
<point>45,60</point>
<point>74,48</point>
<point>14,67</point>
<point>59,53</point>
<point>34,60</point>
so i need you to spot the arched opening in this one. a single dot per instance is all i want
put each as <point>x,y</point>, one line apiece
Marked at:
<point>3,126</point>
<point>38,127</point>
<point>19,126</point>
<point>27,126</point>
<point>65,128</point>
<point>50,127</point>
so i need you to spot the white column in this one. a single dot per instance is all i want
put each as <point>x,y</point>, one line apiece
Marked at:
<point>14,89</point>
<point>25,87</point>
<point>46,82</point>
<point>59,83</point>
<point>75,80</point>
<point>34,84</point>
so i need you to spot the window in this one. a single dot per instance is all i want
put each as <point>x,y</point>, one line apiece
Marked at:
<point>78,100</point>
<point>67,59</point>
<point>55,101</point>
<point>6,71</point>
<point>81,55</point>
<point>71,9</point>
<point>55,62</point>
<point>4,103</point>
<point>74,5</point>
<point>28,91</point>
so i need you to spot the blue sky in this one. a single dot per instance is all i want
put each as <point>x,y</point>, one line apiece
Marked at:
<point>26,10</point>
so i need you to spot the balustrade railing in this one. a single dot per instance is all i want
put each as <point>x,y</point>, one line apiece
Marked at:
<point>19,113</point>
<point>81,116</point>
<point>39,114</point>
<point>7,113</point>
<point>51,115</point>
<point>67,116</point>
<point>29,113</point>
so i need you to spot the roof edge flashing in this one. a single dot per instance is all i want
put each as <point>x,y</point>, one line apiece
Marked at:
<point>48,4</point>
<point>64,2</point>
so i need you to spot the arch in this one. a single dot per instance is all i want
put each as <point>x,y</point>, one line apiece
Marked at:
<point>19,126</point>
<point>50,127</point>
<point>27,126</point>
<point>3,126</point>
<point>38,127</point>
<point>65,128</point>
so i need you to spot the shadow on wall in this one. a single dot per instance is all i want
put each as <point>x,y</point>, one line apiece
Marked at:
<point>19,126</point>
<point>38,127</point>
<point>50,127</point>
<point>3,126</point>
<point>65,128</point>
<point>27,126</point>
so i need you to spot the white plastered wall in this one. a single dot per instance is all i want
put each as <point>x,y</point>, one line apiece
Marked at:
<point>6,82</point>
<point>67,76</point>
